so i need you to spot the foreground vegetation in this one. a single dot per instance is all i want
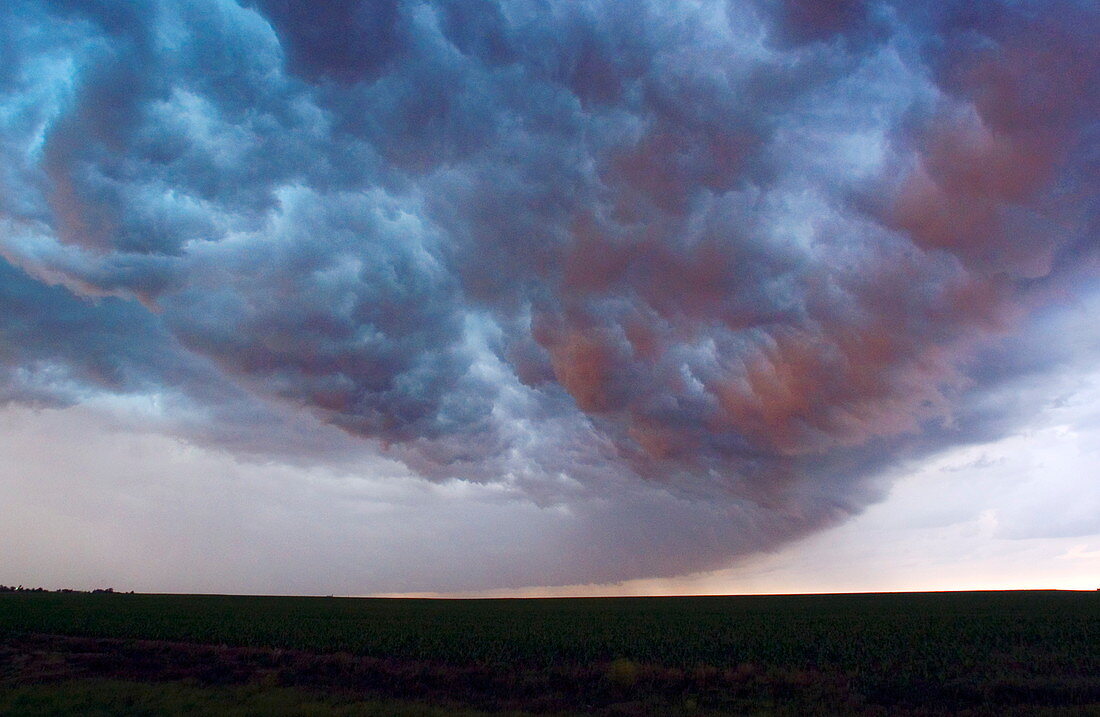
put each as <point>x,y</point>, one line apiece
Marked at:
<point>114,697</point>
<point>990,653</point>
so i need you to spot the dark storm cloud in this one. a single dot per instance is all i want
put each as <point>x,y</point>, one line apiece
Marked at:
<point>1002,177</point>
<point>345,41</point>
<point>693,272</point>
<point>58,349</point>
<point>54,345</point>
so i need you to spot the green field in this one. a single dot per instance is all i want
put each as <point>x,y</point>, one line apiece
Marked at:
<point>992,653</point>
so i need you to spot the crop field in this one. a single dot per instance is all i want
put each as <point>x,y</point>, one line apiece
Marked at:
<point>918,653</point>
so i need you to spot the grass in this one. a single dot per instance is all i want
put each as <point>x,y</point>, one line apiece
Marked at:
<point>943,652</point>
<point>116,698</point>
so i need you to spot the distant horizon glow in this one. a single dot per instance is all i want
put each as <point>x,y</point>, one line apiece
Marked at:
<point>513,297</point>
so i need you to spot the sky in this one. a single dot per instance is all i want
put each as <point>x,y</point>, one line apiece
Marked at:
<point>533,297</point>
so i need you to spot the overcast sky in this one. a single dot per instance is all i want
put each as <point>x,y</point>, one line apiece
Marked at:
<point>540,297</point>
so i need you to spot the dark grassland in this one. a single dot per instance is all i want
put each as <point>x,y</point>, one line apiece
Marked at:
<point>1034,652</point>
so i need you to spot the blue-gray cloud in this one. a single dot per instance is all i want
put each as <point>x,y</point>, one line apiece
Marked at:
<point>694,272</point>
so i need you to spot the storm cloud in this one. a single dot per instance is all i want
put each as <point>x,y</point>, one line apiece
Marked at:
<point>691,274</point>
